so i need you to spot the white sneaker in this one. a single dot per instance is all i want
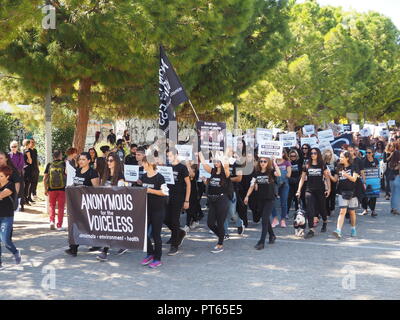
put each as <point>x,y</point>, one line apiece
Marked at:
<point>194,225</point>
<point>364,213</point>
<point>52,226</point>
<point>210,231</point>
<point>186,229</point>
<point>61,229</point>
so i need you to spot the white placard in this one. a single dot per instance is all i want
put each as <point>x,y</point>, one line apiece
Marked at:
<point>312,141</point>
<point>71,172</point>
<point>365,132</point>
<point>384,133</point>
<point>391,123</point>
<point>167,173</point>
<point>263,135</point>
<point>203,173</point>
<point>383,125</point>
<point>185,152</point>
<point>269,149</point>
<point>289,139</point>
<point>325,144</point>
<point>355,128</point>
<point>327,134</point>
<point>131,173</point>
<point>308,130</point>
<point>229,139</point>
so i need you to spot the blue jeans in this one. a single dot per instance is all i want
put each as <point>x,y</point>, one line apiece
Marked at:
<point>395,188</point>
<point>232,214</point>
<point>6,226</point>
<point>282,202</point>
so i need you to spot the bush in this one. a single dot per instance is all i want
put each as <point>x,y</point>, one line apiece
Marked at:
<point>7,125</point>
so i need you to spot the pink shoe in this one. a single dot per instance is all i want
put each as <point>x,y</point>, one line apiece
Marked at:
<point>147,260</point>
<point>283,224</point>
<point>155,264</point>
<point>275,223</point>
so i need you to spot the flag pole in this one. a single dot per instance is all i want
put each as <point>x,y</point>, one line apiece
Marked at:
<point>194,110</point>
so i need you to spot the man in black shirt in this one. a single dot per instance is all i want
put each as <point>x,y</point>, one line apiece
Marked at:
<point>112,137</point>
<point>178,200</point>
<point>130,159</point>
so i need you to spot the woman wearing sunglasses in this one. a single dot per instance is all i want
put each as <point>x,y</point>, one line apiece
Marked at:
<point>371,169</point>
<point>294,179</point>
<point>263,182</point>
<point>315,171</point>
<point>112,176</point>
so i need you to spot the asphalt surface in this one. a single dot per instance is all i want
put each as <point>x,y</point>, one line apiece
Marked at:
<point>365,267</point>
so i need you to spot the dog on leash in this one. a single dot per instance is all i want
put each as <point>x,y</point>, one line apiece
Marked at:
<point>299,223</point>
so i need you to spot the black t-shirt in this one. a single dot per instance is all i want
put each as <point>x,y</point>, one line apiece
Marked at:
<point>233,168</point>
<point>358,164</point>
<point>315,177</point>
<point>266,185</point>
<point>177,190</point>
<point>34,155</point>
<point>217,184</point>
<point>28,166</point>
<point>296,168</point>
<point>85,179</point>
<point>154,202</point>
<point>345,184</point>
<point>131,160</point>
<point>120,177</point>
<point>7,204</point>
<point>47,170</point>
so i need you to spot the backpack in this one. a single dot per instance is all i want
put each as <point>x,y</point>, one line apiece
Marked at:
<point>57,178</point>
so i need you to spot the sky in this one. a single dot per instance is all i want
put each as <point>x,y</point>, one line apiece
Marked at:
<point>389,8</point>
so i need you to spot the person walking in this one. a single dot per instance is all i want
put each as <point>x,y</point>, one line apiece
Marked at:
<point>219,192</point>
<point>17,158</point>
<point>389,150</point>
<point>158,192</point>
<point>294,179</point>
<point>35,172</point>
<point>263,182</point>
<point>347,175</point>
<point>28,172</point>
<point>85,176</point>
<point>371,170</point>
<point>112,176</point>
<point>8,196</point>
<point>55,178</point>
<point>394,180</point>
<point>330,162</point>
<point>315,194</point>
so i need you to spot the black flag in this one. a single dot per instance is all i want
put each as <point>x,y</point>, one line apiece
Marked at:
<point>171,91</point>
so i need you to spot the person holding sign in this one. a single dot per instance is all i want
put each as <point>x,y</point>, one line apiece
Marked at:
<point>394,180</point>
<point>370,176</point>
<point>178,200</point>
<point>315,171</point>
<point>158,192</point>
<point>263,181</point>
<point>348,173</point>
<point>112,176</point>
<point>219,192</point>
<point>85,176</point>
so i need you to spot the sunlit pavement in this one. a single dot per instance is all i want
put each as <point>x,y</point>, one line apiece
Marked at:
<point>366,267</point>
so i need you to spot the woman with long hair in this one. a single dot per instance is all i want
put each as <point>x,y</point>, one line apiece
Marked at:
<point>263,182</point>
<point>193,213</point>
<point>157,191</point>
<point>220,191</point>
<point>330,161</point>
<point>394,180</point>
<point>294,179</point>
<point>93,157</point>
<point>347,175</point>
<point>315,194</point>
<point>112,176</point>
<point>389,150</point>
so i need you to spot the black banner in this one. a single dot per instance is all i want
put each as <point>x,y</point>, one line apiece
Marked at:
<point>171,92</point>
<point>107,217</point>
<point>340,141</point>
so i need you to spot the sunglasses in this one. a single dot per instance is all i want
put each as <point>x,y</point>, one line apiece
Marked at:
<point>369,152</point>
<point>305,148</point>
<point>313,153</point>
<point>263,161</point>
<point>110,160</point>
<point>14,147</point>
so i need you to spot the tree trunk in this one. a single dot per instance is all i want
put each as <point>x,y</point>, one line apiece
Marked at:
<point>291,125</point>
<point>82,114</point>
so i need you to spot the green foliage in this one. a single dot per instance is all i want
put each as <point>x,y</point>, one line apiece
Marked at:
<point>7,125</point>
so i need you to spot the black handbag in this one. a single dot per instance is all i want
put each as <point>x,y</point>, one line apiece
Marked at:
<point>347,195</point>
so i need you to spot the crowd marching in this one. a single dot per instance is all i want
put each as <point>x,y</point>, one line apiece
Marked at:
<point>310,181</point>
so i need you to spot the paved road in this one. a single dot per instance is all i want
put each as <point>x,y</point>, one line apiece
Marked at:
<point>367,267</point>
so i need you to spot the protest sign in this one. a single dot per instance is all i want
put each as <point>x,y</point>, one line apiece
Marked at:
<point>355,128</point>
<point>312,141</point>
<point>340,141</point>
<point>325,144</point>
<point>347,128</point>
<point>112,217</point>
<point>203,173</point>
<point>212,136</point>
<point>185,152</point>
<point>263,135</point>
<point>269,149</point>
<point>131,173</point>
<point>327,134</point>
<point>373,182</point>
<point>391,123</point>
<point>365,132</point>
<point>383,125</point>
<point>167,173</point>
<point>288,140</point>
<point>384,133</point>
<point>308,130</point>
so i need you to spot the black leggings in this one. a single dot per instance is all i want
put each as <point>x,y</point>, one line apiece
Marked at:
<point>172,216</point>
<point>265,207</point>
<point>316,204</point>
<point>217,212</point>
<point>292,196</point>
<point>368,202</point>
<point>194,212</point>
<point>155,220</point>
